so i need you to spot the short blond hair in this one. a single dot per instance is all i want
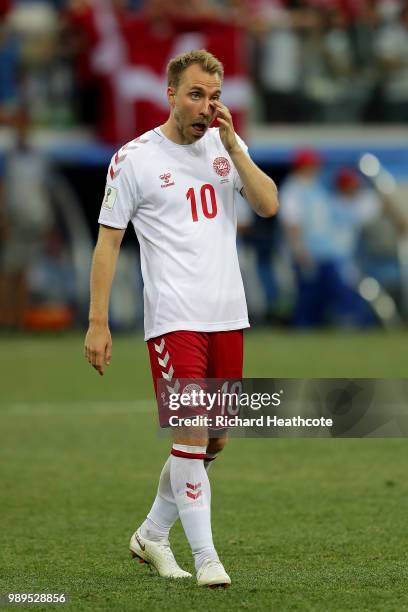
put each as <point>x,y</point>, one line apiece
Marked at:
<point>206,60</point>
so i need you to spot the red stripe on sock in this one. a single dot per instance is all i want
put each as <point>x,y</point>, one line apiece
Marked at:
<point>192,486</point>
<point>179,453</point>
<point>194,495</point>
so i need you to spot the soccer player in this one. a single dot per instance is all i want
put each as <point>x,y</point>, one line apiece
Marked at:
<point>176,184</point>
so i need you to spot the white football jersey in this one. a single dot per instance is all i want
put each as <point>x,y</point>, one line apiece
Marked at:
<point>180,200</point>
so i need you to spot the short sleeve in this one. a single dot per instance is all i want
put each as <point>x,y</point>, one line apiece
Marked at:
<point>238,184</point>
<point>120,199</point>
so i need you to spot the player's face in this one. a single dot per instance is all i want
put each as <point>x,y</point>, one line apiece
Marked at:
<point>193,102</point>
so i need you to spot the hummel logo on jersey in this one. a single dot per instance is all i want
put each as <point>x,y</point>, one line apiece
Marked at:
<point>165,177</point>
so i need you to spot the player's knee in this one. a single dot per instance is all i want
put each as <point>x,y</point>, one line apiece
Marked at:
<point>190,436</point>
<point>215,445</point>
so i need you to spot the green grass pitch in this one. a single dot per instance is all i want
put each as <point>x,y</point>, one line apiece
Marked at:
<point>299,524</point>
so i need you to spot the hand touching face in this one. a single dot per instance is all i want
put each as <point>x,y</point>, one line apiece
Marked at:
<point>227,132</point>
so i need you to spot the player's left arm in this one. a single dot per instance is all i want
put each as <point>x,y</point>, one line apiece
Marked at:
<point>258,188</point>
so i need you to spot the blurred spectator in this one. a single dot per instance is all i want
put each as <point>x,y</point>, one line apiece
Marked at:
<point>352,206</point>
<point>126,81</point>
<point>26,217</point>
<point>323,293</point>
<point>355,206</point>
<point>93,45</point>
<point>8,69</point>
<point>282,33</point>
<point>331,83</point>
<point>313,60</point>
<point>44,73</point>
<point>263,237</point>
<point>244,221</point>
<point>392,55</point>
<point>359,18</point>
<point>369,226</point>
<point>255,244</point>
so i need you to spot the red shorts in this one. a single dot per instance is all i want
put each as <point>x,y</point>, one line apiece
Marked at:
<point>180,358</point>
<point>195,355</point>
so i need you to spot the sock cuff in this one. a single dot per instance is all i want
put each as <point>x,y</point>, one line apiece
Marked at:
<point>210,456</point>
<point>189,452</point>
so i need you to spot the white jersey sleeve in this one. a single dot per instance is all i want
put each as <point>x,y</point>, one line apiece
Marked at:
<point>120,200</point>
<point>238,184</point>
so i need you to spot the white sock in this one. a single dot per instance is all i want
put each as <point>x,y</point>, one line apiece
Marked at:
<point>163,514</point>
<point>192,493</point>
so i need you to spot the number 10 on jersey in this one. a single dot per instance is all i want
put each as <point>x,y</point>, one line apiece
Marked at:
<point>208,201</point>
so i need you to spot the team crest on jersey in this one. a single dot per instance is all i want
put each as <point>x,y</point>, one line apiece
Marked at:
<point>222,166</point>
<point>167,180</point>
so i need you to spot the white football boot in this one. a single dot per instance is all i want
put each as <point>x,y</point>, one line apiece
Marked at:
<point>158,555</point>
<point>213,574</point>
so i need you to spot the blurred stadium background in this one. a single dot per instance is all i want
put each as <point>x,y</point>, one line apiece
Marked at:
<point>319,90</point>
<point>327,78</point>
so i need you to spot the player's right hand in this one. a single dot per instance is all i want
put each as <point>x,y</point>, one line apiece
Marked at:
<point>98,347</point>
